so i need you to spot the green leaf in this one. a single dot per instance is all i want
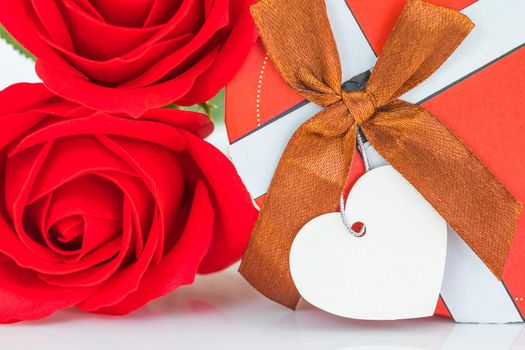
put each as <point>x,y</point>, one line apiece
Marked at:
<point>217,114</point>
<point>15,44</point>
<point>214,108</point>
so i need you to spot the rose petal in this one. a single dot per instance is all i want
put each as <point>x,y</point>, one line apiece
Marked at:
<point>94,199</point>
<point>162,11</point>
<point>123,13</point>
<point>52,21</point>
<point>65,235</point>
<point>35,222</point>
<point>194,51</point>
<point>20,175</point>
<point>87,6</point>
<point>17,17</point>
<point>188,19</point>
<point>110,257</point>
<point>196,123</point>
<point>166,185</point>
<point>233,53</point>
<point>42,260</point>
<point>16,124</point>
<point>173,65</point>
<point>11,246</point>
<point>4,258</point>
<point>21,97</point>
<point>23,296</point>
<point>70,158</point>
<point>170,37</point>
<point>60,108</point>
<point>126,279</point>
<point>235,213</point>
<point>100,273</point>
<point>99,40</point>
<point>133,102</point>
<point>86,195</point>
<point>165,182</point>
<point>101,123</point>
<point>140,201</point>
<point>117,70</point>
<point>14,120</point>
<point>179,266</point>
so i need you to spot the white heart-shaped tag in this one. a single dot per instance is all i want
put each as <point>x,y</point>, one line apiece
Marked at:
<point>394,271</point>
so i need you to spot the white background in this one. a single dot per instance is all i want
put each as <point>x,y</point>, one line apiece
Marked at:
<point>222,311</point>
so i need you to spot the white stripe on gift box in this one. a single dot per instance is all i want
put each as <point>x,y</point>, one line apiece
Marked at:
<point>470,291</point>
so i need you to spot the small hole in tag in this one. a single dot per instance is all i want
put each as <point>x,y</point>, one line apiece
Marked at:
<point>358,229</point>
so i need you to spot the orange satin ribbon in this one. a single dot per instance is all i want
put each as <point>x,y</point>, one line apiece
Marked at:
<point>314,167</point>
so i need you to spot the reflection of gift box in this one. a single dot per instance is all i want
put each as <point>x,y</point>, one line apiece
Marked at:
<point>475,93</point>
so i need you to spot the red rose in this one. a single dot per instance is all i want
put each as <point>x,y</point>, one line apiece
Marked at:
<point>131,56</point>
<point>106,213</point>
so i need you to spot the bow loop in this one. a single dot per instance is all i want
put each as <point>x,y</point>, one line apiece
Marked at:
<point>423,38</point>
<point>315,90</point>
<point>314,68</point>
<point>361,105</point>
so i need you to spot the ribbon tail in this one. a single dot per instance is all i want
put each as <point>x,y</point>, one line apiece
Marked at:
<point>307,183</point>
<point>450,176</point>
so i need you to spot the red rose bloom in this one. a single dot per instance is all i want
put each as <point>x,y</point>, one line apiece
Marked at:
<point>106,213</point>
<point>131,56</point>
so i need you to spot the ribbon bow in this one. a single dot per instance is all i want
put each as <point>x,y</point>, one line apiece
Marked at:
<point>314,167</point>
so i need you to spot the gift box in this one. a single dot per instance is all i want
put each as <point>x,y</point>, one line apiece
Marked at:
<point>476,93</point>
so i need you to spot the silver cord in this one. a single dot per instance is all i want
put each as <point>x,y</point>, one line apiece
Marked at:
<point>361,148</point>
<point>344,218</point>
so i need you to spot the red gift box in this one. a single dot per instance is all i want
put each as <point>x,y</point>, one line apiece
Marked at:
<point>476,93</point>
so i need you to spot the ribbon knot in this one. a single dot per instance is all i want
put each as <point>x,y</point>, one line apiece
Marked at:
<point>315,164</point>
<point>361,105</point>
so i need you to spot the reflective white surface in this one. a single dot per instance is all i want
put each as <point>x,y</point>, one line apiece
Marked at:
<point>222,311</point>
